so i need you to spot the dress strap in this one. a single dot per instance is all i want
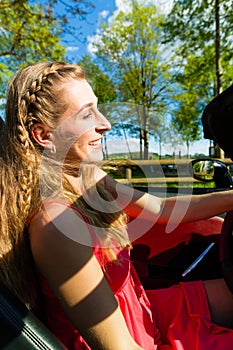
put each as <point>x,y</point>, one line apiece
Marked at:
<point>85,219</point>
<point>95,239</point>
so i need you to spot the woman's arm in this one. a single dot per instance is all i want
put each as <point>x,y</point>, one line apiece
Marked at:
<point>199,207</point>
<point>75,276</point>
<point>179,209</point>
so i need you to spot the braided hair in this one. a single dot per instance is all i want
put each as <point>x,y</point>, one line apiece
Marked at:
<point>35,96</point>
<point>32,98</point>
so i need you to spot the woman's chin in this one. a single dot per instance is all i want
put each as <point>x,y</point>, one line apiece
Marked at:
<point>93,157</point>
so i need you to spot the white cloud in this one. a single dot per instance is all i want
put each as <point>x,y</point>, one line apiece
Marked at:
<point>201,146</point>
<point>119,145</point>
<point>92,39</point>
<point>72,48</point>
<point>122,5</point>
<point>104,14</point>
<point>163,6</point>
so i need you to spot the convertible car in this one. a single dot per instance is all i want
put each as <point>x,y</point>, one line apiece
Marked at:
<point>189,252</point>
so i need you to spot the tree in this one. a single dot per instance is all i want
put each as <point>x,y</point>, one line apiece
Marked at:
<point>31,31</point>
<point>103,87</point>
<point>27,34</point>
<point>160,128</point>
<point>70,14</point>
<point>190,98</point>
<point>202,31</point>
<point>204,27</point>
<point>101,83</point>
<point>185,122</point>
<point>120,115</point>
<point>129,47</point>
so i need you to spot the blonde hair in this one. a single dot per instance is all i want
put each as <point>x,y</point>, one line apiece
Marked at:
<point>34,96</point>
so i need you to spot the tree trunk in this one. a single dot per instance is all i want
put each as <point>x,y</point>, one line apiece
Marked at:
<point>105,147</point>
<point>146,133</point>
<point>187,147</point>
<point>140,130</point>
<point>160,148</point>
<point>141,138</point>
<point>126,140</point>
<point>218,69</point>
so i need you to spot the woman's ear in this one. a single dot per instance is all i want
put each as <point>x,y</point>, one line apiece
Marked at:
<point>42,135</point>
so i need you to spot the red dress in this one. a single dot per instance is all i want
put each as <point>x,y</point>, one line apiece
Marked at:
<point>175,318</point>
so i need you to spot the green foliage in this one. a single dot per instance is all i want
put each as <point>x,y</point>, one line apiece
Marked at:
<point>28,34</point>
<point>193,23</point>
<point>70,14</point>
<point>192,96</point>
<point>203,57</point>
<point>130,48</point>
<point>101,83</point>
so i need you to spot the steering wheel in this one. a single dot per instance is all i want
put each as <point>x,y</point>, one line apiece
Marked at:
<point>226,250</point>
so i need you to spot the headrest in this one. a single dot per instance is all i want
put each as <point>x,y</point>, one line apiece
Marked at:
<point>217,120</point>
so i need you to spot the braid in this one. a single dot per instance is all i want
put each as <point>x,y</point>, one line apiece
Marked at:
<point>31,95</point>
<point>32,105</point>
<point>35,96</point>
<point>26,179</point>
<point>32,98</point>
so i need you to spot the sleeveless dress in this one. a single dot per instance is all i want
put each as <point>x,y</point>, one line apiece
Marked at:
<point>175,318</point>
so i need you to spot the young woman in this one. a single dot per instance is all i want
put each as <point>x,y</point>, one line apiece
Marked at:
<point>64,244</point>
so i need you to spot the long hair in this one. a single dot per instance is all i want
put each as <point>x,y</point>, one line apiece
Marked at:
<point>35,96</point>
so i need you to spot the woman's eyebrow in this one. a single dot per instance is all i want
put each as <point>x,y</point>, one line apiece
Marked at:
<point>90,104</point>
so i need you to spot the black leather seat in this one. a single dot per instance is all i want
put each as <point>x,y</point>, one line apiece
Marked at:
<point>20,329</point>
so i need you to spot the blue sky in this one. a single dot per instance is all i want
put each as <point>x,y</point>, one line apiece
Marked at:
<point>103,10</point>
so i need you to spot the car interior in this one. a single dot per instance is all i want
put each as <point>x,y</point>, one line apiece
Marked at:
<point>21,329</point>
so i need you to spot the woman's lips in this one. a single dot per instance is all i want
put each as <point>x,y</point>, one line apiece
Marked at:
<point>95,143</point>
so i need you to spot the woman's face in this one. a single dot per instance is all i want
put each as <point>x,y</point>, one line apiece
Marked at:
<point>81,127</point>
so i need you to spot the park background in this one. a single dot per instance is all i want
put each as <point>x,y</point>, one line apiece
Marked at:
<point>153,64</point>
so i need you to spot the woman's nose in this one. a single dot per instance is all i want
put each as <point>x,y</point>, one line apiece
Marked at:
<point>103,123</point>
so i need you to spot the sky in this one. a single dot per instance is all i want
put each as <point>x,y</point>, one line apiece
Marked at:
<point>104,10</point>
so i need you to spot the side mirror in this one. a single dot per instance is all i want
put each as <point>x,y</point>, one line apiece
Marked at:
<point>211,170</point>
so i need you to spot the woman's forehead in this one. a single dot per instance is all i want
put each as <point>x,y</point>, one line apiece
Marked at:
<point>80,91</point>
<point>77,94</point>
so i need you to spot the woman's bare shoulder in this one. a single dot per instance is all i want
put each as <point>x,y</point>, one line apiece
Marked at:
<point>58,214</point>
<point>58,230</point>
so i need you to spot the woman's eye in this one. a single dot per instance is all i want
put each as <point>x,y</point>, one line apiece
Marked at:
<point>88,114</point>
